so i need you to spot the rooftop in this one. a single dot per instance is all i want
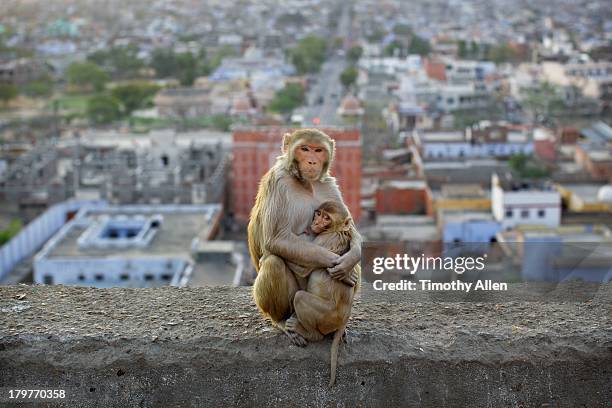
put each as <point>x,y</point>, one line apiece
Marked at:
<point>174,236</point>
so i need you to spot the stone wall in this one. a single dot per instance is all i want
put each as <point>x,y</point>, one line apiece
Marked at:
<point>533,346</point>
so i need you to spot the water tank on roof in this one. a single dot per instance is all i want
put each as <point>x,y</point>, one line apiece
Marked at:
<point>604,194</point>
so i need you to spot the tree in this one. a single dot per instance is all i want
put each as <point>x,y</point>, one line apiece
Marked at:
<point>9,232</point>
<point>163,61</point>
<point>309,54</point>
<point>287,99</point>
<point>503,53</point>
<point>87,75</point>
<point>134,95</point>
<point>40,88</point>
<point>348,76</point>
<point>419,46</point>
<point>187,67</point>
<point>526,167</point>
<point>7,92</point>
<point>394,48</point>
<point>462,50</point>
<point>120,62</point>
<point>544,101</point>
<point>102,109</point>
<point>184,66</point>
<point>354,54</point>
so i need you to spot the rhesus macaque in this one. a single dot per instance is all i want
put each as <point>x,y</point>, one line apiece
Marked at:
<point>288,194</point>
<point>325,306</point>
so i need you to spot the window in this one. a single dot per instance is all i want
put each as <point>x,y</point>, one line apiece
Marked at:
<point>524,213</point>
<point>148,277</point>
<point>48,280</point>
<point>509,213</point>
<point>124,276</point>
<point>81,277</point>
<point>166,277</point>
<point>99,277</point>
<point>541,213</point>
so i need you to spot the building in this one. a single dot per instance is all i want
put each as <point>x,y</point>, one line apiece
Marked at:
<point>594,79</point>
<point>127,246</point>
<point>467,227</point>
<point>577,252</point>
<point>586,197</point>
<point>183,103</point>
<point>481,140</point>
<point>460,197</point>
<point>350,106</point>
<point>516,203</point>
<point>21,71</point>
<point>255,150</point>
<point>401,197</point>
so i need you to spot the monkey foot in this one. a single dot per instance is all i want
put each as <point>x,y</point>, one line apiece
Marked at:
<point>296,339</point>
<point>294,336</point>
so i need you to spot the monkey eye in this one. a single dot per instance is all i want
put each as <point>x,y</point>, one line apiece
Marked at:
<point>326,218</point>
<point>304,148</point>
<point>318,213</point>
<point>318,150</point>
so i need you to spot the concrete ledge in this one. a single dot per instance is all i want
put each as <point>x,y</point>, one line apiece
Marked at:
<point>532,346</point>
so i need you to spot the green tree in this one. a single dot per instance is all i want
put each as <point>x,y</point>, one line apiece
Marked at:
<point>134,95</point>
<point>395,47</point>
<point>503,53</point>
<point>87,75</point>
<point>348,76</point>
<point>526,167</point>
<point>402,30</point>
<point>287,99</point>
<point>217,58</point>
<point>163,61</point>
<point>419,46</point>
<point>7,92</point>
<point>103,109</point>
<point>309,54</point>
<point>9,232</point>
<point>544,100</point>
<point>354,54</point>
<point>39,88</point>
<point>187,68</point>
<point>120,62</point>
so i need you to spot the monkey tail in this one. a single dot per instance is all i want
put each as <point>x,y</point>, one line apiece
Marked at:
<point>334,353</point>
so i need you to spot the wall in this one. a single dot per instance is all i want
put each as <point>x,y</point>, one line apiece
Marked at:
<point>530,347</point>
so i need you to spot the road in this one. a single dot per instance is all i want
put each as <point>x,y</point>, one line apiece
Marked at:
<point>325,95</point>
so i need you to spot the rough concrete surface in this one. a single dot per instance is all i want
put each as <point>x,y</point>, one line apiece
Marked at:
<point>208,347</point>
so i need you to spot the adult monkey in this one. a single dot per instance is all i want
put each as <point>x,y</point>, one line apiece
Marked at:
<point>288,195</point>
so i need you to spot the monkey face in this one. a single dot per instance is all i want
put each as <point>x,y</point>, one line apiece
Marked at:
<point>310,158</point>
<point>320,222</point>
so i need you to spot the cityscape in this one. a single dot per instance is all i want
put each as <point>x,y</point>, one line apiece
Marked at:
<point>133,135</point>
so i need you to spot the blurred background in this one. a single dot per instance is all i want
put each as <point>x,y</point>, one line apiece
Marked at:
<point>133,134</point>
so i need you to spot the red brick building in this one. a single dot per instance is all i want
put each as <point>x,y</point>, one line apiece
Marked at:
<point>255,150</point>
<point>402,197</point>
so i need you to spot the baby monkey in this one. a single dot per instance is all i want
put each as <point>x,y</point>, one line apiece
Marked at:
<point>325,306</point>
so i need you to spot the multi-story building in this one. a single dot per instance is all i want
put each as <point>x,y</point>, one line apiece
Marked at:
<point>255,149</point>
<point>128,246</point>
<point>517,203</point>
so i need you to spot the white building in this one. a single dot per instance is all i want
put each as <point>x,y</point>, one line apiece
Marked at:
<point>516,204</point>
<point>127,246</point>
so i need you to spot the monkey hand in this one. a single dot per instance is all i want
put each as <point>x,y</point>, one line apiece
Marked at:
<point>344,269</point>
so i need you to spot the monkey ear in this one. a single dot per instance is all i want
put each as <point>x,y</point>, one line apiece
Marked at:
<point>286,141</point>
